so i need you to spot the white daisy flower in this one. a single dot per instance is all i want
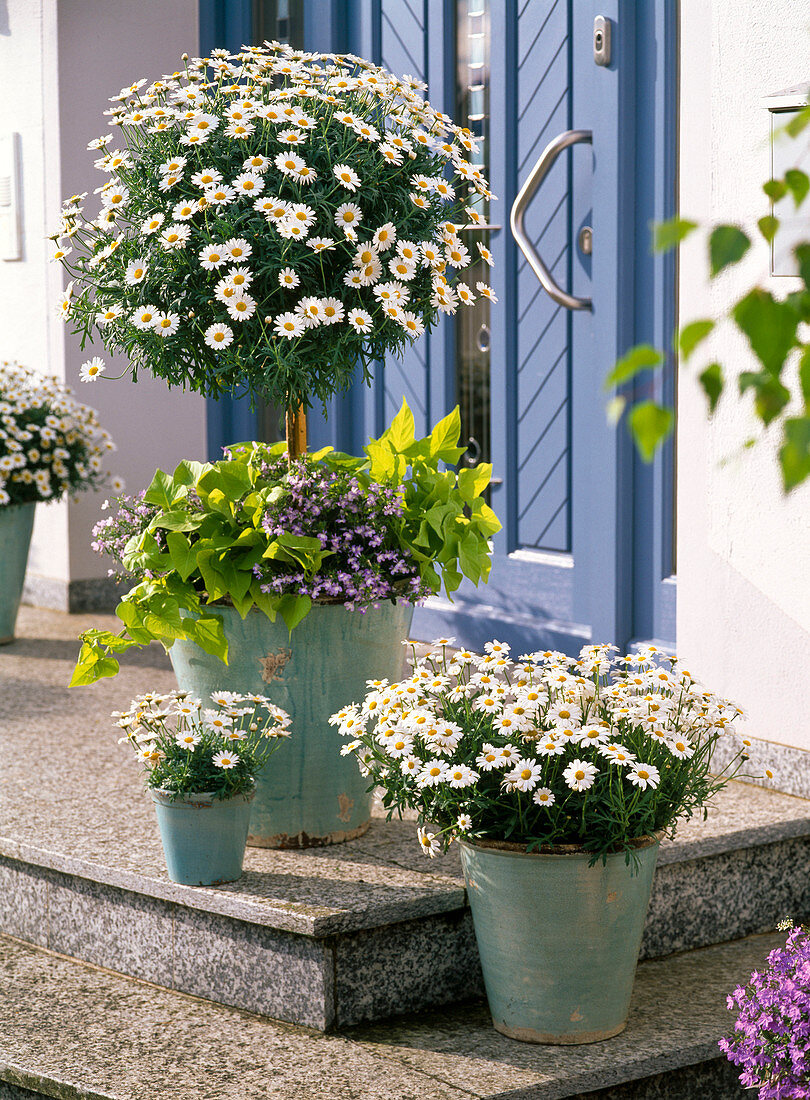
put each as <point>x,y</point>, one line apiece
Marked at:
<point>459,775</point>
<point>579,775</point>
<point>135,272</point>
<point>188,740</point>
<point>348,215</point>
<point>289,325</point>
<point>166,324</point>
<point>410,765</point>
<point>183,211</point>
<point>525,774</point>
<point>241,307</point>
<point>219,195</point>
<point>644,776</point>
<point>346,177</point>
<point>432,774</point>
<point>257,164</point>
<point>289,163</point>
<point>321,244</point>
<point>333,310</point>
<point>174,236</point>
<point>680,748</point>
<point>543,796</point>
<point>385,237</point>
<point>360,320</point>
<point>225,759</point>
<point>108,315</point>
<point>465,295</point>
<point>239,130</point>
<point>248,183</point>
<point>237,249</point>
<point>464,823</point>
<point>92,369</point>
<point>153,223</point>
<point>487,291</point>
<point>218,336</point>
<point>305,174</point>
<point>412,324</point>
<point>213,256</point>
<point>288,278</point>
<point>207,178</point>
<point>402,268</point>
<point>486,255</point>
<point>144,316</point>
<point>430,845</point>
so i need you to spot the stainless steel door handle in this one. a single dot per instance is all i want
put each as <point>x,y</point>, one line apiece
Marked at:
<point>524,197</point>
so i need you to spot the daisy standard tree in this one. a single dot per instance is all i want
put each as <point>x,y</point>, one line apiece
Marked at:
<point>271,222</point>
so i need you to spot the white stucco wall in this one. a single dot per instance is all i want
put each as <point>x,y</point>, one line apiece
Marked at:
<point>59,63</point>
<point>743,548</point>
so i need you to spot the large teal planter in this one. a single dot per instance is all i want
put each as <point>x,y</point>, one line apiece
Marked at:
<point>558,940</point>
<point>16,524</point>
<point>203,837</point>
<point>307,794</point>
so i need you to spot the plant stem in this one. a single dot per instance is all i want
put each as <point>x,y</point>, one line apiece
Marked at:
<point>295,426</point>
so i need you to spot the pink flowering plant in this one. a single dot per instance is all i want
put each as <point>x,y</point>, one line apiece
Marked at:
<point>269,222</point>
<point>771,1040</point>
<point>597,751</point>
<point>258,531</point>
<point>189,747</point>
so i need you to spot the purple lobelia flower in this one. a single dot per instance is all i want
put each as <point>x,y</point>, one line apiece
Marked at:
<point>771,1041</point>
<point>357,525</point>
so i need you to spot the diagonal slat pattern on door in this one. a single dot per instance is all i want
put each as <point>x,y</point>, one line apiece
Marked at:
<point>542,369</point>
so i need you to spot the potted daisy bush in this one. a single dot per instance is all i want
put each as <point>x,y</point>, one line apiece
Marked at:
<point>50,444</point>
<point>201,762</point>
<point>558,778</point>
<point>274,224</point>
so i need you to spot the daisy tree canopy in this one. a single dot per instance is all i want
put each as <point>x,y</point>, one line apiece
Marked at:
<point>271,221</point>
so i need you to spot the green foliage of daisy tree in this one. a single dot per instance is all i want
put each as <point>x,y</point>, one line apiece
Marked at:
<point>270,222</point>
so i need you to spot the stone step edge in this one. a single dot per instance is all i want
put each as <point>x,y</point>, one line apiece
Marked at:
<point>318,922</point>
<point>637,1068</point>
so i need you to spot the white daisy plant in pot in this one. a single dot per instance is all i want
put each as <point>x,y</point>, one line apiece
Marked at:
<point>558,777</point>
<point>271,222</point>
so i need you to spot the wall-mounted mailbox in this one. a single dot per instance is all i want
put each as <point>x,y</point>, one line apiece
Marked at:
<point>787,152</point>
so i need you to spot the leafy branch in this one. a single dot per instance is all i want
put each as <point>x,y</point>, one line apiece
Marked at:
<point>772,327</point>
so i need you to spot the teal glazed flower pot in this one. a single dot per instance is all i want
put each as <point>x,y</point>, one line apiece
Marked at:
<point>16,524</point>
<point>307,794</point>
<point>558,940</point>
<point>203,837</point>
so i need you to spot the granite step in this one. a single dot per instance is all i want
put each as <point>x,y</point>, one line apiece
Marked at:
<point>77,1032</point>
<point>325,938</point>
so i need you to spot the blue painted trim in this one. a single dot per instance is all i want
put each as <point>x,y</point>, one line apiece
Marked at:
<point>655,298</point>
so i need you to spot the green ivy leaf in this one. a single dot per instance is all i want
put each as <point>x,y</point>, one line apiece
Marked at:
<point>711,379</point>
<point>727,245</point>
<point>469,557</point>
<point>401,433</point>
<point>209,635</point>
<point>693,334</point>
<point>804,376</point>
<point>293,609</point>
<point>802,254</point>
<point>775,190</point>
<point>650,424</point>
<point>769,325</point>
<point>798,184</point>
<point>768,227</point>
<point>163,492</point>
<point>183,554</point>
<point>669,234</point>
<point>445,436</point>
<point>473,481</point>
<point>798,122</point>
<point>794,455</point>
<point>770,396</point>
<point>642,357</point>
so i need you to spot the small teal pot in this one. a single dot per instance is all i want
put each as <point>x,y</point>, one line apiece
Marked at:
<point>307,794</point>
<point>558,940</point>
<point>203,837</point>
<point>16,524</point>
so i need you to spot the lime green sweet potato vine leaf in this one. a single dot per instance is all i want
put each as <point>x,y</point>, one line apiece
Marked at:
<point>201,546</point>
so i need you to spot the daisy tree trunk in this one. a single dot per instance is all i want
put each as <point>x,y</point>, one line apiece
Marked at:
<point>295,424</point>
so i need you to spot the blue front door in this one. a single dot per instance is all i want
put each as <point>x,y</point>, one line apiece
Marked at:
<point>585,551</point>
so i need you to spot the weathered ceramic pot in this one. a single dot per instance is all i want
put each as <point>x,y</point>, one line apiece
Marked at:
<point>203,837</point>
<point>16,524</point>
<point>307,794</point>
<point>558,940</point>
